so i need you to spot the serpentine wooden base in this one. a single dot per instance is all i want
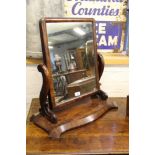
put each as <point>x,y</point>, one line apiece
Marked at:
<point>86,111</point>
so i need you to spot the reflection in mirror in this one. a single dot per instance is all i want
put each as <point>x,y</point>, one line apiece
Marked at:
<point>72,58</point>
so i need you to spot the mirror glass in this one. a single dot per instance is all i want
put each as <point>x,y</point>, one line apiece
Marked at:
<point>72,57</point>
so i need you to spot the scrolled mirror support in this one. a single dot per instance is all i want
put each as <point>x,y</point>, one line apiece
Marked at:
<point>45,109</point>
<point>100,61</point>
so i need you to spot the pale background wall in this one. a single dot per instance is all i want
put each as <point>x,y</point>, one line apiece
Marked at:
<point>33,84</point>
<point>115,78</point>
<point>35,10</point>
<point>114,81</point>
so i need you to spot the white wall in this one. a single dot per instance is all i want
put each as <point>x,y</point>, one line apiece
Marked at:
<point>114,82</point>
<point>33,83</point>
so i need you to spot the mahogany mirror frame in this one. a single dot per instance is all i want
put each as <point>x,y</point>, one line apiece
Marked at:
<point>47,60</point>
<point>85,109</point>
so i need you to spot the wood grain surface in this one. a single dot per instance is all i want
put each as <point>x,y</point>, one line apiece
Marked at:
<point>107,135</point>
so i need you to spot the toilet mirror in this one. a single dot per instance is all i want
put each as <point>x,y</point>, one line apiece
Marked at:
<point>69,53</point>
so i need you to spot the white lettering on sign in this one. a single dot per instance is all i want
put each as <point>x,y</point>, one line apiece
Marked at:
<point>101,28</point>
<point>101,10</point>
<point>111,41</point>
<point>102,41</point>
<point>104,12</point>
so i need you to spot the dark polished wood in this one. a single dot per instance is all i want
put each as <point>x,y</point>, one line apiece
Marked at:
<point>86,111</point>
<point>127,107</point>
<point>107,135</point>
<point>100,61</point>
<point>77,111</point>
<point>46,107</point>
<point>46,58</point>
<point>76,114</point>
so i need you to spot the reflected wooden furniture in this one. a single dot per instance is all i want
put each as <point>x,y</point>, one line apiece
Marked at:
<point>80,54</point>
<point>75,75</point>
<point>81,86</point>
<point>70,77</point>
<point>107,135</point>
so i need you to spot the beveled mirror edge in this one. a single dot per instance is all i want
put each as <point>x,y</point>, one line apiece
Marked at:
<point>46,56</point>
